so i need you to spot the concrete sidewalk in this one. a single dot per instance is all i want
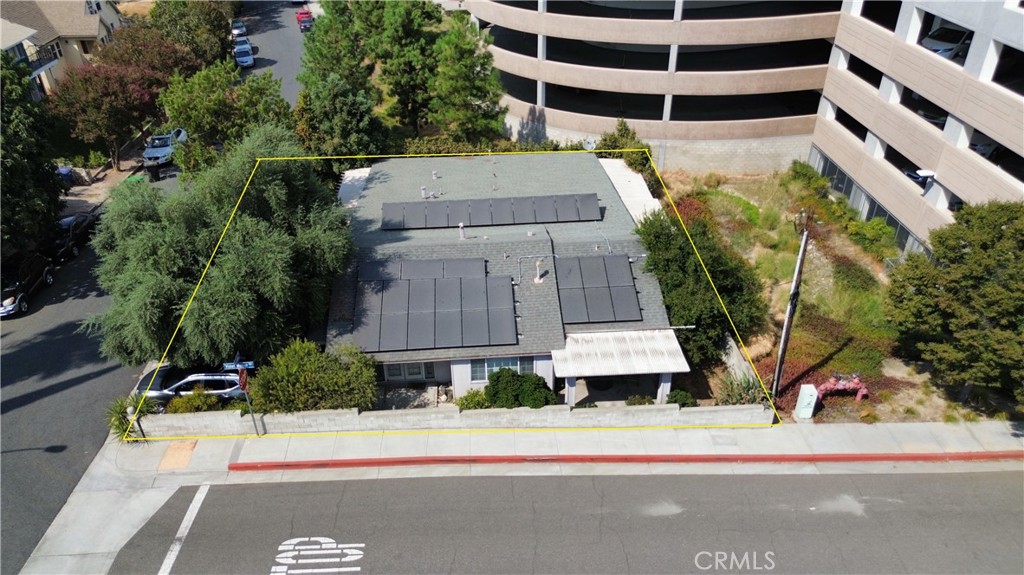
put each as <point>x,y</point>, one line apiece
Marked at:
<point>127,483</point>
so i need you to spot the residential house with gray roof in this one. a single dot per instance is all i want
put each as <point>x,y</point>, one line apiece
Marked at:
<point>465,265</point>
<point>53,36</point>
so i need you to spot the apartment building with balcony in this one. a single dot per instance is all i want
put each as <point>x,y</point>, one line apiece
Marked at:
<point>922,111</point>
<point>63,34</point>
<point>911,108</point>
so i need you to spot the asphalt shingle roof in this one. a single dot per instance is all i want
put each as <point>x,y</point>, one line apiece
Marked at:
<point>52,19</point>
<point>508,250</point>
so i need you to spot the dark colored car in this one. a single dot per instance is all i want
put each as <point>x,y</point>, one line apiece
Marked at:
<point>73,232</point>
<point>22,276</point>
<point>306,24</point>
<point>171,382</point>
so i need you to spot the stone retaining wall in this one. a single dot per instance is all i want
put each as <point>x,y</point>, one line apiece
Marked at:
<point>219,423</point>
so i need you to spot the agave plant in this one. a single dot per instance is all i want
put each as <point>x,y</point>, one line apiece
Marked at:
<point>117,414</point>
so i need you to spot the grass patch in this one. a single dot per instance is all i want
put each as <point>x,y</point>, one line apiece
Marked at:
<point>970,416</point>
<point>868,415</point>
<point>776,266</point>
<point>771,218</point>
<point>910,411</point>
<point>731,206</point>
<point>950,417</point>
<point>885,396</point>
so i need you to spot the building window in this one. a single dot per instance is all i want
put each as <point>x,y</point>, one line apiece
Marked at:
<point>93,6</point>
<point>54,49</point>
<point>409,371</point>
<point>17,52</point>
<point>87,46</point>
<point>481,368</point>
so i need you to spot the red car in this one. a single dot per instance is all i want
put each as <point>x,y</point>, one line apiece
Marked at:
<point>304,13</point>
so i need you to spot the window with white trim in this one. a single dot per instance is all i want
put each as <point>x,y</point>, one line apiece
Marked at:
<point>479,369</point>
<point>55,49</point>
<point>409,371</point>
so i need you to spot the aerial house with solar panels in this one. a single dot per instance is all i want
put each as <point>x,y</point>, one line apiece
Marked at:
<point>465,265</point>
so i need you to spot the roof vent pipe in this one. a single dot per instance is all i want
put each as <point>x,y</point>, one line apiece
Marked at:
<point>433,175</point>
<point>462,231</point>
<point>423,192</point>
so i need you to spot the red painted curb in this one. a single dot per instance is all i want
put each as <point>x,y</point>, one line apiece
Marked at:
<point>690,458</point>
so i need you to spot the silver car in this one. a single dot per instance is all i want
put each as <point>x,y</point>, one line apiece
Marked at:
<point>171,382</point>
<point>237,28</point>
<point>948,42</point>
<point>159,149</point>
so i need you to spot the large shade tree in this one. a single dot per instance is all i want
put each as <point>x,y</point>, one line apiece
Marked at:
<point>108,104</point>
<point>202,26</point>
<point>141,45</point>
<point>963,308</point>
<point>269,281</point>
<point>217,109</point>
<point>30,190</point>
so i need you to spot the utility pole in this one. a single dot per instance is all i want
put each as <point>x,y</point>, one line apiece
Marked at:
<point>800,223</point>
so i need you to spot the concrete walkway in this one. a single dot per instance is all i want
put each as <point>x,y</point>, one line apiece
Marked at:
<point>127,483</point>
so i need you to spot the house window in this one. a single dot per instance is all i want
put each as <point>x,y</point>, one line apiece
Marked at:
<point>55,50</point>
<point>17,52</point>
<point>93,6</point>
<point>86,46</point>
<point>409,371</point>
<point>479,369</point>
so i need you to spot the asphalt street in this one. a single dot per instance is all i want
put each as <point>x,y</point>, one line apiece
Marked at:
<point>54,388</point>
<point>275,34</point>
<point>950,523</point>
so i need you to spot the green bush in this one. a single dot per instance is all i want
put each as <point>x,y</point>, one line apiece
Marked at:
<point>875,236</point>
<point>688,296</point>
<point>804,174</point>
<point>97,160</point>
<point>117,413</point>
<point>639,400</point>
<point>474,399</point>
<point>507,389</point>
<point>196,402</point>
<point>682,398</point>
<point>302,378</point>
<point>851,275</point>
<point>771,218</point>
<point>744,390</point>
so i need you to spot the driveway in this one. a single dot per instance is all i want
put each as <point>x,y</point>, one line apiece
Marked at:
<point>54,389</point>
<point>278,42</point>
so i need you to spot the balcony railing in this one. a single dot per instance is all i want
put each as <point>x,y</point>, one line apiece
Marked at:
<point>40,59</point>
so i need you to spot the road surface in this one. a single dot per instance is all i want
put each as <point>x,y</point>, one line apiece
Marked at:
<point>915,523</point>
<point>54,389</point>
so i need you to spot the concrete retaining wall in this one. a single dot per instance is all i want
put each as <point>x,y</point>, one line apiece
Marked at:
<point>449,417</point>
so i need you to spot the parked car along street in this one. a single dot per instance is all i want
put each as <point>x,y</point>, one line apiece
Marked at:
<point>171,382</point>
<point>21,277</point>
<point>243,57</point>
<point>241,42</point>
<point>237,28</point>
<point>73,232</point>
<point>159,149</point>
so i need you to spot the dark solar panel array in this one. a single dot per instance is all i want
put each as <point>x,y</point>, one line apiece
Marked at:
<point>430,304</point>
<point>596,289</point>
<point>490,212</point>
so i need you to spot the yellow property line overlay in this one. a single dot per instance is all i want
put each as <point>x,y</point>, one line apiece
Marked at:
<point>231,218</point>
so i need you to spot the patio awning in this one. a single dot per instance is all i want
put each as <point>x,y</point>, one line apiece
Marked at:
<point>620,353</point>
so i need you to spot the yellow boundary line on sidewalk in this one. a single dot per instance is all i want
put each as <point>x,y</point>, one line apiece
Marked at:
<point>231,218</point>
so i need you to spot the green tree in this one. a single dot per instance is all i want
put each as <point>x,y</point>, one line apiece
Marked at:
<point>31,191</point>
<point>141,45</point>
<point>202,26</point>
<point>406,51</point>
<point>107,103</point>
<point>335,46</point>
<point>466,89</point>
<point>962,309</point>
<point>688,296</point>
<point>332,119</point>
<point>271,277</point>
<point>302,378</point>
<point>216,108</point>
